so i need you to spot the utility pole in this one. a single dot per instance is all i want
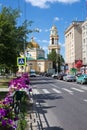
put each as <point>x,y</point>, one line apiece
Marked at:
<point>57,62</point>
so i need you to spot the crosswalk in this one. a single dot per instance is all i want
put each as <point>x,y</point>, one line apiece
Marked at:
<point>70,91</point>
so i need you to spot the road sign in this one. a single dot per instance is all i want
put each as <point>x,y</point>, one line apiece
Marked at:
<point>21,61</point>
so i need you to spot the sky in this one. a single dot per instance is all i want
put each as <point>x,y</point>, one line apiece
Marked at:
<point>45,14</point>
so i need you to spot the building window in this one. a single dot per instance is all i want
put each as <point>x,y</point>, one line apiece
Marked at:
<point>52,40</point>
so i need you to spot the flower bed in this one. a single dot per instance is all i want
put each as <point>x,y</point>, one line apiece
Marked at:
<point>7,113</point>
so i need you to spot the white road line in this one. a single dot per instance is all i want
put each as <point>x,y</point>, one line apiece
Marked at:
<point>56,90</point>
<point>45,91</point>
<point>83,87</point>
<point>76,89</point>
<point>35,91</point>
<point>85,100</point>
<point>69,91</point>
<point>54,85</point>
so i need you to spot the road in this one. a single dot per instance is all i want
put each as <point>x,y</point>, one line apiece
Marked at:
<point>61,105</point>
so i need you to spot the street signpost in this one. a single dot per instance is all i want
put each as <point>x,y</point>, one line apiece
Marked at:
<point>21,61</point>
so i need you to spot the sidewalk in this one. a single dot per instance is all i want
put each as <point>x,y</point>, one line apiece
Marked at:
<point>33,119</point>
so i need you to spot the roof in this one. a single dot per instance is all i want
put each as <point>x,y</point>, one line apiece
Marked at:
<point>33,43</point>
<point>41,58</point>
<point>29,58</point>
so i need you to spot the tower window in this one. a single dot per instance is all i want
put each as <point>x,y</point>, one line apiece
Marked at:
<point>52,40</point>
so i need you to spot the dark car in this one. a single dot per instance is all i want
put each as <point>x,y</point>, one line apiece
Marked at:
<point>60,76</point>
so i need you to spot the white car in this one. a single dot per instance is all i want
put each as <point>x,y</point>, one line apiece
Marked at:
<point>33,74</point>
<point>69,77</point>
<point>55,75</point>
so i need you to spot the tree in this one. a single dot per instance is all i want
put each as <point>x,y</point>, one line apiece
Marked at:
<point>12,37</point>
<point>57,59</point>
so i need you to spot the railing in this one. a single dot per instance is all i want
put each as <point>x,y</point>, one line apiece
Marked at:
<point>17,102</point>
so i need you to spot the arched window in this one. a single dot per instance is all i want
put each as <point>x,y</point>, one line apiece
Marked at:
<point>52,40</point>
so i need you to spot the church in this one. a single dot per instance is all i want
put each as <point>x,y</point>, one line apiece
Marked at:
<point>35,55</point>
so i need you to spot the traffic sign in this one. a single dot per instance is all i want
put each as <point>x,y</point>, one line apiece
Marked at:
<point>21,61</point>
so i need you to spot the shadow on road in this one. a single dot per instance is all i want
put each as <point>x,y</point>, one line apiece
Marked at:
<point>42,97</point>
<point>42,108</point>
<point>53,128</point>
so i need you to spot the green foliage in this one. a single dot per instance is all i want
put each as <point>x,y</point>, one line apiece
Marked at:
<point>12,37</point>
<point>53,56</point>
<point>22,123</point>
<point>57,59</point>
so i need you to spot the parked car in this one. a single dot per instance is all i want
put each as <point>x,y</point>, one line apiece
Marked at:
<point>60,76</point>
<point>55,75</point>
<point>78,74</point>
<point>69,77</point>
<point>33,74</point>
<point>82,78</point>
<point>47,74</point>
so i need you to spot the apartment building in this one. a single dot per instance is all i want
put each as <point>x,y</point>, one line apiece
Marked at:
<point>73,43</point>
<point>84,43</point>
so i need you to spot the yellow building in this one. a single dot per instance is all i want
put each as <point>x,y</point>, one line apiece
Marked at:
<point>35,59</point>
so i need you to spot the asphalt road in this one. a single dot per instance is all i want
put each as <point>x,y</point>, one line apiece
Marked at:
<point>61,105</point>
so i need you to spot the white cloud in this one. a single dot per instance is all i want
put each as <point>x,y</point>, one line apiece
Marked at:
<point>62,45</point>
<point>45,48</point>
<point>38,29</point>
<point>45,41</point>
<point>46,3</point>
<point>47,30</point>
<point>56,19</point>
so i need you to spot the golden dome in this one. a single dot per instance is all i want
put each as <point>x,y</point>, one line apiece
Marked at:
<point>33,44</point>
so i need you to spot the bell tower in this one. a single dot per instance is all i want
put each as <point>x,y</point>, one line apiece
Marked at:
<point>54,40</point>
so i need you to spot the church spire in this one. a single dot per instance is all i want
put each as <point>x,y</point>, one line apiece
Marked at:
<point>54,40</point>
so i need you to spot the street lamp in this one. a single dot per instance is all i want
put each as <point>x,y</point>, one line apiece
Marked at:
<point>24,53</point>
<point>57,67</point>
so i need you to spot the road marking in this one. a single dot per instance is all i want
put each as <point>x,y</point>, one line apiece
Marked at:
<point>69,91</point>
<point>56,90</point>
<point>83,87</point>
<point>54,85</point>
<point>85,100</point>
<point>79,90</point>
<point>45,91</point>
<point>35,91</point>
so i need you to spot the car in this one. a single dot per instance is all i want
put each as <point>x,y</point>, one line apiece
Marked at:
<point>60,76</point>
<point>33,74</point>
<point>69,77</point>
<point>55,75</point>
<point>82,79</point>
<point>47,74</point>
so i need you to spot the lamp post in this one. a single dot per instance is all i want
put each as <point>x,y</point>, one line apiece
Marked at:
<point>57,67</point>
<point>24,53</point>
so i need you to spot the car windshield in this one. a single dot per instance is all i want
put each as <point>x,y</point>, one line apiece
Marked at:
<point>85,75</point>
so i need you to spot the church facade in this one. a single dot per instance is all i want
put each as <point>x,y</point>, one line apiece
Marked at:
<point>35,56</point>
